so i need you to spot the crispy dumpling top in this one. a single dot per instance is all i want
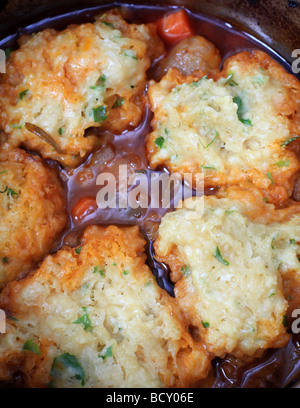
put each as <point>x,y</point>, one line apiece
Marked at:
<point>59,83</point>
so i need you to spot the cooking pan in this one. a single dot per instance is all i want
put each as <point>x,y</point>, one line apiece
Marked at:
<point>275,24</point>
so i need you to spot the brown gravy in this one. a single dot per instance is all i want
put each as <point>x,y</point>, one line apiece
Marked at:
<point>277,368</point>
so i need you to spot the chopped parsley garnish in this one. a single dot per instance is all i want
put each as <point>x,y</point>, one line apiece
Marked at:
<point>3,171</point>
<point>230,81</point>
<point>32,346</point>
<point>208,167</point>
<point>101,80</point>
<point>100,114</point>
<point>185,270</point>
<point>159,142</point>
<point>7,52</point>
<point>240,111</point>
<point>97,269</point>
<point>5,259</point>
<point>131,53</point>
<point>13,318</point>
<point>284,321</point>
<point>270,177</point>
<point>99,83</point>
<point>78,250</point>
<point>197,83</point>
<point>288,141</point>
<point>283,163</point>
<point>216,135</point>
<point>125,272</point>
<point>61,131</point>
<point>219,257</point>
<point>108,353</point>
<point>205,324</point>
<point>68,362</point>
<point>23,94</point>
<point>293,241</point>
<point>9,192</point>
<point>119,102</point>
<point>85,320</point>
<point>272,246</point>
<point>108,24</point>
<point>96,87</point>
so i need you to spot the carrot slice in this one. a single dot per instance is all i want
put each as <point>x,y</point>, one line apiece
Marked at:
<point>174,27</point>
<point>84,207</point>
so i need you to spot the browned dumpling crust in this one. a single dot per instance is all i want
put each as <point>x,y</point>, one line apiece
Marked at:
<point>59,83</point>
<point>32,212</point>
<point>228,266</point>
<point>94,316</point>
<point>236,128</point>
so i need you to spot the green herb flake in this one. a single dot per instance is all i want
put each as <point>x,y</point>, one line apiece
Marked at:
<point>108,353</point>
<point>97,269</point>
<point>61,131</point>
<point>5,259</point>
<point>119,102</point>
<point>197,83</point>
<point>219,257</point>
<point>229,211</point>
<point>101,80</point>
<point>23,94</point>
<point>3,171</point>
<point>9,192</point>
<point>31,345</point>
<point>283,163</point>
<point>85,320</point>
<point>237,100</point>
<point>210,143</point>
<point>272,246</point>
<point>230,81</point>
<point>159,142</point>
<point>288,141</point>
<point>131,53</point>
<point>100,114</point>
<point>185,270</point>
<point>270,177</point>
<point>78,250</point>
<point>67,362</point>
<point>108,24</point>
<point>97,87</point>
<point>125,272</point>
<point>292,241</point>
<point>14,319</point>
<point>208,167</point>
<point>16,126</point>
<point>7,52</point>
<point>205,324</point>
<point>285,321</point>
